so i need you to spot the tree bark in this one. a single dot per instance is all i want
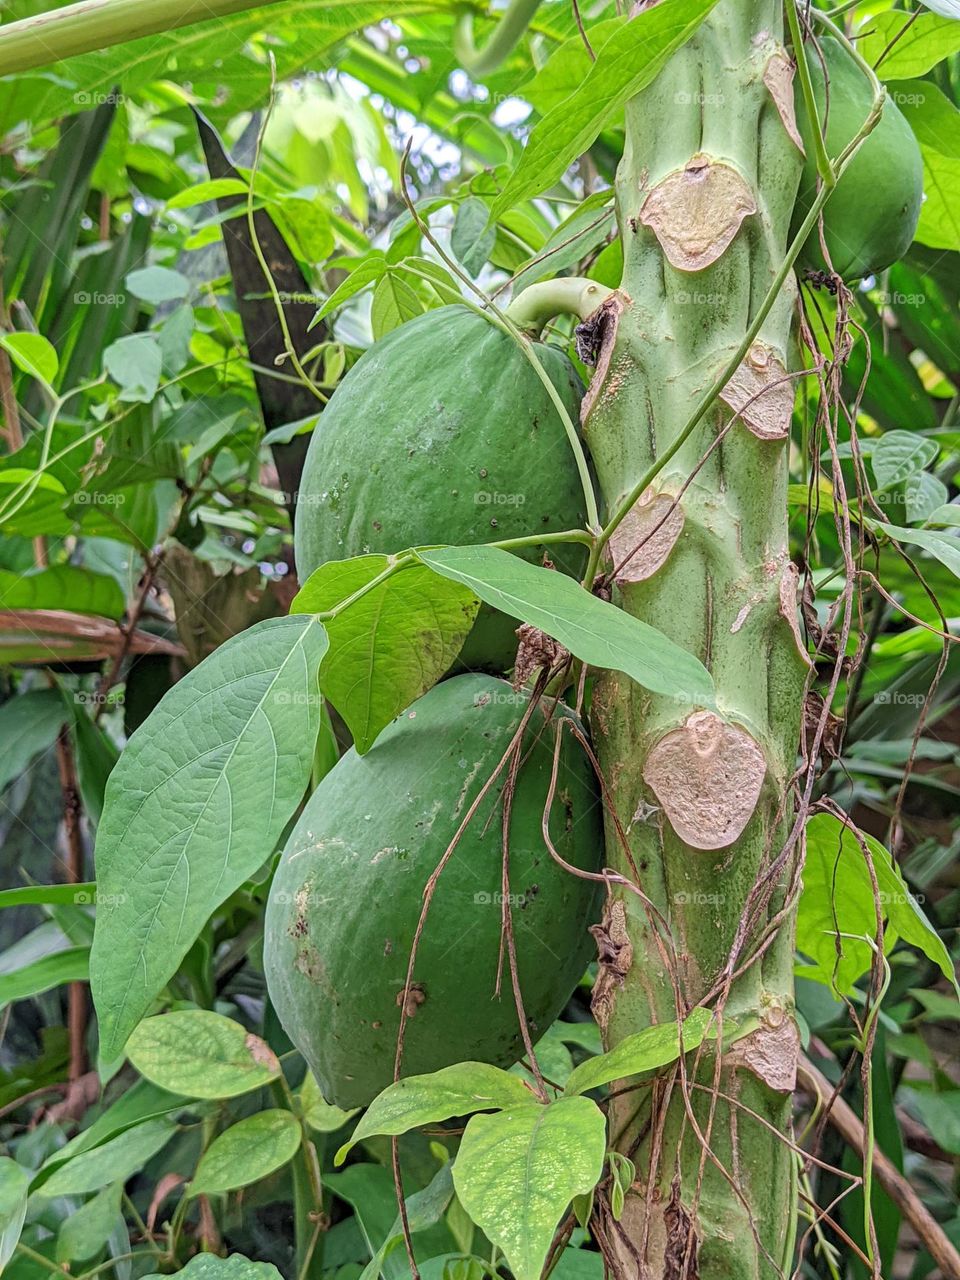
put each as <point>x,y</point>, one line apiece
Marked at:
<point>705,194</point>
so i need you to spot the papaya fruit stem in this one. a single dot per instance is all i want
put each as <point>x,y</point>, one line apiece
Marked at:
<point>506,36</point>
<point>532,309</point>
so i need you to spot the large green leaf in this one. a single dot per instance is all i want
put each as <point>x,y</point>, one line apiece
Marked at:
<point>391,645</point>
<point>195,805</point>
<point>627,63</point>
<point>593,630</point>
<point>249,1150</point>
<point>838,909</point>
<point>910,45</point>
<point>944,546</point>
<point>84,1233</point>
<point>516,1172</point>
<point>453,1091</point>
<point>201,1054</point>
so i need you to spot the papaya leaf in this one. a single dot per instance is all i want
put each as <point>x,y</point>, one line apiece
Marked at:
<point>195,805</point>
<point>14,1186</point>
<point>454,1091</point>
<point>391,645</point>
<point>201,1054</point>
<point>593,630</point>
<point>651,1048</point>
<point>627,63</point>
<point>517,1171</point>
<point>837,907</point>
<point>248,1151</point>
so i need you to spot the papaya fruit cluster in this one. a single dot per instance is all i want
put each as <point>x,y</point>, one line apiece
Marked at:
<point>443,432</point>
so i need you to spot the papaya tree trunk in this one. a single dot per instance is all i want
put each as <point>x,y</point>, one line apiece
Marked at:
<point>703,795</point>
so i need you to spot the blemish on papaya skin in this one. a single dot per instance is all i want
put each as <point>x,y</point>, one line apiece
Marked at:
<point>416,996</point>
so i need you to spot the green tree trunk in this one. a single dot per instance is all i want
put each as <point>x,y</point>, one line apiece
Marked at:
<point>705,193</point>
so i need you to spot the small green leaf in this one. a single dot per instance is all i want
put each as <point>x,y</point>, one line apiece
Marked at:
<point>32,353</point>
<point>113,1161</point>
<point>207,1266</point>
<point>201,1054</point>
<point>321,1116</point>
<point>69,965</point>
<point>645,1051</point>
<point>64,586</point>
<point>473,235</point>
<point>626,63</point>
<point>394,303</point>
<point>391,645</point>
<point>930,113</point>
<point>939,225</point>
<point>248,1151</point>
<point>29,725</point>
<point>944,546</point>
<point>424,1209</point>
<point>84,1233</point>
<point>368,270</point>
<point>196,804</point>
<point>899,454</point>
<point>593,630</point>
<point>418,1100</point>
<point>205,192</point>
<point>910,45</point>
<point>924,494</point>
<point>158,285</point>
<point>41,895</point>
<point>14,1186</point>
<point>516,1173</point>
<point>135,364</point>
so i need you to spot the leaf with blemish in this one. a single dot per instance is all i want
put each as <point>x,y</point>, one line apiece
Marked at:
<point>647,1050</point>
<point>201,1054</point>
<point>516,1173</point>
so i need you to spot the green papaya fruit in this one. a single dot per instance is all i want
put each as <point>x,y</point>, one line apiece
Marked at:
<point>348,893</point>
<point>870,218</point>
<point>443,433</point>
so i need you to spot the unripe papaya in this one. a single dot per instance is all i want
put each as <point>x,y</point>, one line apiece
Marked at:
<point>444,433</point>
<point>347,895</point>
<point>870,217</point>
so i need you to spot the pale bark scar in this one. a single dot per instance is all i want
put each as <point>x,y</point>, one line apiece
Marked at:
<point>778,77</point>
<point>707,776</point>
<point>761,393</point>
<point>771,1052</point>
<point>615,953</point>
<point>696,212</point>
<point>645,537</point>
<point>789,606</point>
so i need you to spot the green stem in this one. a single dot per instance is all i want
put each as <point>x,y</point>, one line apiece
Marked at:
<point>507,35</point>
<point>824,167</point>
<point>706,404</point>
<point>93,25</point>
<point>40,1260</point>
<point>532,309</point>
